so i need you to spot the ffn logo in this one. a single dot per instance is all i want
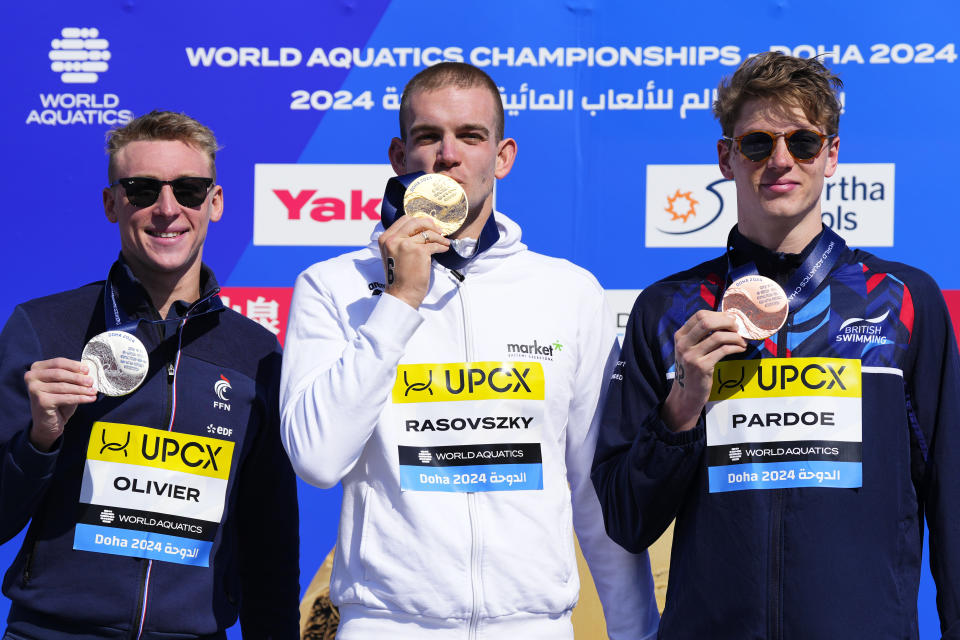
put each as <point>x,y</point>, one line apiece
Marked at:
<point>221,387</point>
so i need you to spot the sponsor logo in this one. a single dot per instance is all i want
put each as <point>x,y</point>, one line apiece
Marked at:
<point>783,377</point>
<point>168,450</point>
<point>106,516</point>
<point>534,350</point>
<point>424,456</point>
<point>865,330</point>
<point>735,453</point>
<point>450,382</point>
<point>418,386</point>
<point>688,206</point>
<point>621,302</point>
<point>317,204</point>
<point>691,206</point>
<point>376,288</point>
<point>79,55</point>
<point>114,446</point>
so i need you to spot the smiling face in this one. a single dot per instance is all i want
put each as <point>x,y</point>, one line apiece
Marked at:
<point>163,242</point>
<point>778,198</point>
<point>452,130</point>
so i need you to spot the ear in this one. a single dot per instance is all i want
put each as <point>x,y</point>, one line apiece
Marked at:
<point>216,204</point>
<point>109,204</point>
<point>724,150</point>
<point>398,156</point>
<point>506,154</point>
<point>833,152</point>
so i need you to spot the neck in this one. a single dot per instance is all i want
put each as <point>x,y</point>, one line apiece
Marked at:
<point>166,288</point>
<point>782,238</point>
<point>474,224</point>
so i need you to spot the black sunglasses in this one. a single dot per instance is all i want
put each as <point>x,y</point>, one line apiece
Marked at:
<point>143,192</point>
<point>803,144</point>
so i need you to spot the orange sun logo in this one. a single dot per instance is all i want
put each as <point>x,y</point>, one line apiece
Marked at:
<point>674,214</point>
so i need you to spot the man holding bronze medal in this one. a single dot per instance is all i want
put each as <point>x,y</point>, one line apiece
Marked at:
<point>450,378</point>
<point>139,431</point>
<point>793,404</point>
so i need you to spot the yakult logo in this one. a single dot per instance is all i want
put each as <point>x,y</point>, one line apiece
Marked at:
<point>317,204</point>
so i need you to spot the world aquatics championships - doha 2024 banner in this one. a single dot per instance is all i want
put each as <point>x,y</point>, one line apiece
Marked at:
<point>610,103</point>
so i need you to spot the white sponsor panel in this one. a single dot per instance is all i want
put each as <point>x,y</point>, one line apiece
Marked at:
<point>784,419</point>
<point>150,489</point>
<point>857,203</point>
<point>621,302</point>
<point>317,204</point>
<point>689,205</point>
<point>692,205</point>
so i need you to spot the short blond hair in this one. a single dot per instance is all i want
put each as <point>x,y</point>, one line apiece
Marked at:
<point>162,125</point>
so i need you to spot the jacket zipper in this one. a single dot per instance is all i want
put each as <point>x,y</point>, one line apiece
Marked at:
<point>137,629</point>
<point>776,532</point>
<point>28,563</point>
<point>476,584</point>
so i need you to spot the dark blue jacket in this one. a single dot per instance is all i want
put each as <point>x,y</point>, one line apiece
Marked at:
<point>58,591</point>
<point>797,563</point>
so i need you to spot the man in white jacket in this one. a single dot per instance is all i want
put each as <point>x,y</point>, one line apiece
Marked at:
<point>452,385</point>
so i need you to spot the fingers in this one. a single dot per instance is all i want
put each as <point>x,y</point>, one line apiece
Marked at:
<point>60,376</point>
<point>703,324</point>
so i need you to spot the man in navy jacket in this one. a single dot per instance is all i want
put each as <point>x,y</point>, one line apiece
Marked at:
<point>168,511</point>
<point>798,462</point>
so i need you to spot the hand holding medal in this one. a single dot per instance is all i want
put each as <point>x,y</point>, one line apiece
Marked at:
<point>758,304</point>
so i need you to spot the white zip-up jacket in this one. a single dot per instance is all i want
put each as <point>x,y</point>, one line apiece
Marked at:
<point>412,547</point>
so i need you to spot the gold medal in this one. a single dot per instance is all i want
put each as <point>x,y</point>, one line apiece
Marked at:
<point>759,305</point>
<point>437,196</point>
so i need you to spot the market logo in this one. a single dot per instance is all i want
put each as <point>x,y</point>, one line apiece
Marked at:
<point>534,350</point>
<point>688,206</point>
<point>221,387</point>
<point>317,204</point>
<point>79,55</point>
<point>863,330</point>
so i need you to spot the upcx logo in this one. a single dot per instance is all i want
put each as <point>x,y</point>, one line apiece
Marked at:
<point>461,381</point>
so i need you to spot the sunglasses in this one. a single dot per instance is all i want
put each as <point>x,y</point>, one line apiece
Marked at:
<point>803,144</point>
<point>143,192</point>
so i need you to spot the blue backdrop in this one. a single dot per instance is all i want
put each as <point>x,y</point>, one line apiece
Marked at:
<point>607,100</point>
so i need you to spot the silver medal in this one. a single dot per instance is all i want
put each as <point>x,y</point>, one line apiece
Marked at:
<point>118,362</point>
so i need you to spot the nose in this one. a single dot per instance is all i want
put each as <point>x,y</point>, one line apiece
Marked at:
<point>448,155</point>
<point>167,204</point>
<point>780,157</point>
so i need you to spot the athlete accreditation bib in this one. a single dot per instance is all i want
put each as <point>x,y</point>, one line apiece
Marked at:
<point>469,426</point>
<point>785,422</point>
<point>149,493</point>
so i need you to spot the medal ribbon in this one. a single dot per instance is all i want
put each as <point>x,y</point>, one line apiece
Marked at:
<point>116,319</point>
<point>392,208</point>
<point>808,275</point>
